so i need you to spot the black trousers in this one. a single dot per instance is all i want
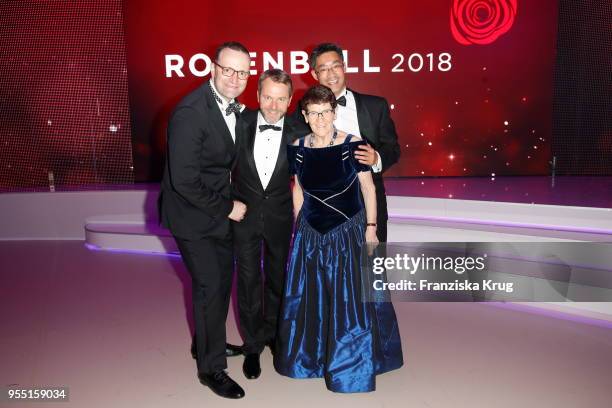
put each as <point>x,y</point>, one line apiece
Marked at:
<point>259,296</point>
<point>210,264</point>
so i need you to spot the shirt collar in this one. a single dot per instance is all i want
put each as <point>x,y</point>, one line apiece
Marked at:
<point>223,103</point>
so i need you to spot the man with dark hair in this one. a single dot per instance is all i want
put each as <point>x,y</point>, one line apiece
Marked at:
<point>261,180</point>
<point>196,205</point>
<point>363,115</point>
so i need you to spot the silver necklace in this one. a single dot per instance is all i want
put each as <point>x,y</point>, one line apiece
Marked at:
<point>331,142</point>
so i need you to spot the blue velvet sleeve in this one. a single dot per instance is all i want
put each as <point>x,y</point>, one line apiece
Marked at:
<point>356,165</point>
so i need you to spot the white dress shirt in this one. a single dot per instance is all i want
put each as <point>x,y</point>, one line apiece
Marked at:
<point>347,122</point>
<point>266,148</point>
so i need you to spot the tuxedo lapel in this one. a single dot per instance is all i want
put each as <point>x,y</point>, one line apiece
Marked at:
<point>363,117</point>
<point>242,136</point>
<point>218,121</point>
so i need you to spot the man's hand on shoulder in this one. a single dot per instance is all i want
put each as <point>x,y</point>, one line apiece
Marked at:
<point>365,154</point>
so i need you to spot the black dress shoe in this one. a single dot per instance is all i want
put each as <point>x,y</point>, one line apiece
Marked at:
<point>221,384</point>
<point>230,350</point>
<point>251,367</point>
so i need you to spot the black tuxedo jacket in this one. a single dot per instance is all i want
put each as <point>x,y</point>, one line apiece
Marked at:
<point>195,197</point>
<point>271,207</point>
<point>377,127</point>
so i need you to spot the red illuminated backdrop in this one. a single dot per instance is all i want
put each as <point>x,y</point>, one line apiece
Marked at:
<point>489,113</point>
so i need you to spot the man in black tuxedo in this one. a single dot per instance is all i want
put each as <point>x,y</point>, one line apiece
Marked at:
<point>359,114</point>
<point>261,180</point>
<point>196,205</point>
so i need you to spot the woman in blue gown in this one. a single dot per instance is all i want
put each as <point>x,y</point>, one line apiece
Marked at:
<point>326,329</point>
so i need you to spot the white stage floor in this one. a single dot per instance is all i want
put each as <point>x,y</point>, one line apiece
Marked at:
<point>113,327</point>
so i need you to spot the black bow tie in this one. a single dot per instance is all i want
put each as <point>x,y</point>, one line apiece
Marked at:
<point>341,100</point>
<point>266,127</point>
<point>233,107</point>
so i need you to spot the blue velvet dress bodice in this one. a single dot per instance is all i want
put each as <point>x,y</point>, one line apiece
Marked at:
<point>331,185</point>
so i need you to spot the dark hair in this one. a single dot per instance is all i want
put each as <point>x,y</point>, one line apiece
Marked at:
<point>276,75</point>
<point>322,49</point>
<point>232,45</point>
<point>318,94</point>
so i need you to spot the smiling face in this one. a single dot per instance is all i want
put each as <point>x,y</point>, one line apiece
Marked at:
<point>274,100</point>
<point>329,71</point>
<point>320,117</point>
<point>230,87</point>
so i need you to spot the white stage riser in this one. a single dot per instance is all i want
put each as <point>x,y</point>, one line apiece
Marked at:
<point>63,215</point>
<point>126,221</point>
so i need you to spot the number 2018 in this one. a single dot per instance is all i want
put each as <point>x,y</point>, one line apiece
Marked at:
<point>416,62</point>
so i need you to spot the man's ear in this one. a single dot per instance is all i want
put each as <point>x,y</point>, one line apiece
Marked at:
<point>314,75</point>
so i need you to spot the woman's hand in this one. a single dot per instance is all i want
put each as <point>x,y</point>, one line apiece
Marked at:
<point>371,240</point>
<point>370,235</point>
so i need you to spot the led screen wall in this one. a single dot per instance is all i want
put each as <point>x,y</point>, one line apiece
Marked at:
<point>64,111</point>
<point>477,86</point>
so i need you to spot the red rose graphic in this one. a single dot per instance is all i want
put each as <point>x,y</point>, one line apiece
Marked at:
<point>481,21</point>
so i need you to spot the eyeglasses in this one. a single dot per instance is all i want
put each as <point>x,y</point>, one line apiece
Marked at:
<point>326,114</point>
<point>229,72</point>
<point>326,70</point>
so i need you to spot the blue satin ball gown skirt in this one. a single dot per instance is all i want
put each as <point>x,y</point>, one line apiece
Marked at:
<point>326,330</point>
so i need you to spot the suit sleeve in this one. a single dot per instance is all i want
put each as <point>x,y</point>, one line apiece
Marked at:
<point>185,144</point>
<point>389,148</point>
<point>301,128</point>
